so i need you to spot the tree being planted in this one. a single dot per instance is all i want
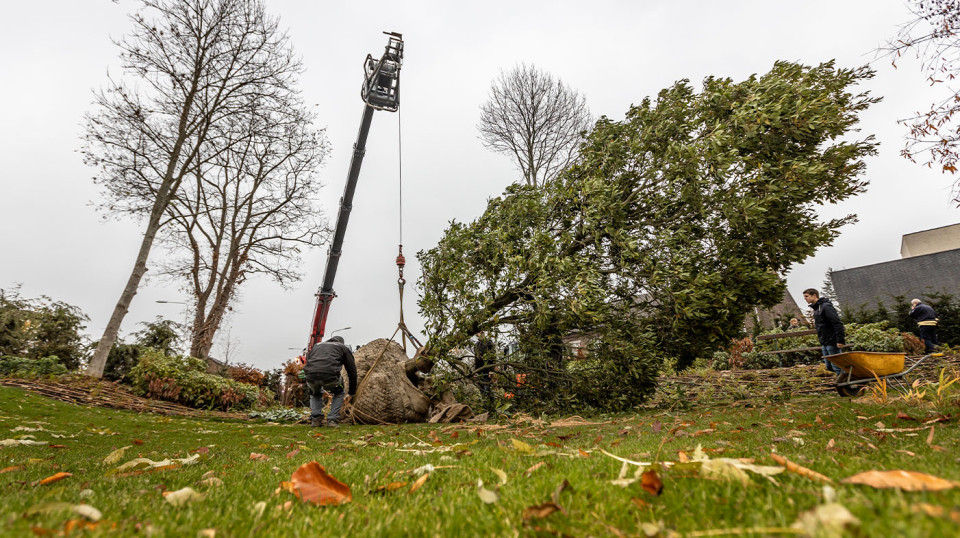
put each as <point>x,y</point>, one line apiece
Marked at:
<point>674,223</point>
<point>192,66</point>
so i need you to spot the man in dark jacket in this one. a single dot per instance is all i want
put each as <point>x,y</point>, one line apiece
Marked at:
<point>322,373</point>
<point>829,327</point>
<point>926,319</point>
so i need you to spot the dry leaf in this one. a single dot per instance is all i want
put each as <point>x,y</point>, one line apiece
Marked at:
<point>391,486</point>
<point>146,463</point>
<point>311,483</point>
<point>799,469</point>
<point>115,456</point>
<point>826,520</point>
<point>211,482</point>
<point>930,436</point>
<point>258,508</point>
<point>830,444</point>
<point>208,533</point>
<point>540,511</point>
<point>84,510</point>
<point>11,469</point>
<point>12,442</point>
<point>640,503</point>
<point>651,482</point>
<point>54,478</point>
<point>292,453</point>
<point>419,483</point>
<point>723,470</point>
<point>584,453</point>
<point>487,496</point>
<point>258,457</point>
<point>522,447</point>
<point>533,468</point>
<point>183,496</point>
<point>500,474</point>
<point>905,480</point>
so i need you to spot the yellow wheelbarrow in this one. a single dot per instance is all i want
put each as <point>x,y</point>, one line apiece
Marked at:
<point>862,367</point>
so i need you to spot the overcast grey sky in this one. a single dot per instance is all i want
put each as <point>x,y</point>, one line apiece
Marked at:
<point>53,53</point>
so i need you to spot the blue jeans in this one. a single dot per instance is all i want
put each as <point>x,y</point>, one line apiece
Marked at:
<point>317,388</point>
<point>827,351</point>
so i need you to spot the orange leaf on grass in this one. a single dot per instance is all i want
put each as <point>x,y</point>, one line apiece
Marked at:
<point>905,480</point>
<point>651,482</point>
<point>258,457</point>
<point>293,453</point>
<point>311,483</point>
<point>391,486</point>
<point>419,483</point>
<point>54,478</point>
<point>11,469</point>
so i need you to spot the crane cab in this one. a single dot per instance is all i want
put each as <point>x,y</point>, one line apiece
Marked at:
<point>381,83</point>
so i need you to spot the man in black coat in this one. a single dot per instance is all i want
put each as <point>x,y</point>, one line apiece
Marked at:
<point>322,373</point>
<point>829,327</point>
<point>926,319</point>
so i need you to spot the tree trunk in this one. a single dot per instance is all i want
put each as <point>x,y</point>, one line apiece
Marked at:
<point>99,360</point>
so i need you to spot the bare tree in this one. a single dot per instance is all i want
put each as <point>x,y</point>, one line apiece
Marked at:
<point>933,35</point>
<point>191,66</point>
<point>535,119</point>
<point>248,209</point>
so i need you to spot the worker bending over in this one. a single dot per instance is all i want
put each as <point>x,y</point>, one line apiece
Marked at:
<point>322,373</point>
<point>926,319</point>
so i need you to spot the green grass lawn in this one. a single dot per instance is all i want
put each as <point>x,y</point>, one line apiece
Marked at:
<point>373,460</point>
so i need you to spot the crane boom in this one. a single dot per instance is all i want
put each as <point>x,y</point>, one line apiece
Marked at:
<point>380,91</point>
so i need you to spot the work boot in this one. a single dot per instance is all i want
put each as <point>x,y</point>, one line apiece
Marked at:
<point>316,422</point>
<point>333,424</point>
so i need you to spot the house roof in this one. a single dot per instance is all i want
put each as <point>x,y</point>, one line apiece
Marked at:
<point>916,276</point>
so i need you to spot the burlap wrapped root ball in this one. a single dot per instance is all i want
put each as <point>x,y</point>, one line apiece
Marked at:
<point>385,395</point>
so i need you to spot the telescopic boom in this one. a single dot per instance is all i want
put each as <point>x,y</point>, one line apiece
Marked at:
<point>380,91</point>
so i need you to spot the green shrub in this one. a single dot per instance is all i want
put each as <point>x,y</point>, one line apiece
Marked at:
<point>721,360</point>
<point>30,368</point>
<point>755,360</point>
<point>794,342</point>
<point>873,337</point>
<point>183,380</point>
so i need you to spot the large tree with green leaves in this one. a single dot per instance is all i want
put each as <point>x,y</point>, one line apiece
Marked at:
<point>675,222</point>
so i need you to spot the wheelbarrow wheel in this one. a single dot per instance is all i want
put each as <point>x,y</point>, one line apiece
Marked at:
<point>850,391</point>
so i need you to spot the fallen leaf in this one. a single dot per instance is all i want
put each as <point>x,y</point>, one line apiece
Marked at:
<point>201,450</point>
<point>311,483</point>
<point>11,469</point>
<point>391,486</point>
<point>54,478</point>
<point>799,469</point>
<point>827,520</point>
<point>208,533</point>
<point>723,470</point>
<point>258,457</point>
<point>640,503</point>
<point>84,510</point>
<point>522,447</point>
<point>651,482</point>
<point>137,441</point>
<point>211,482</point>
<point>903,416</point>
<point>487,496</point>
<point>540,511</point>
<point>115,456</point>
<point>930,436</point>
<point>928,509</point>
<point>12,442</point>
<point>183,496</point>
<point>500,475</point>
<point>419,483</point>
<point>533,468</point>
<point>899,479</point>
<point>293,453</point>
<point>830,444</point>
<point>258,508</point>
<point>146,463</point>
<point>583,453</point>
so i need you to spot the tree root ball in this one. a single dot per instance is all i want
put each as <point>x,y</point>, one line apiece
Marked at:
<point>384,394</point>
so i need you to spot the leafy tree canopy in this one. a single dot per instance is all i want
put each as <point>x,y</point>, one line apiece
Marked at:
<point>41,327</point>
<point>675,222</point>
